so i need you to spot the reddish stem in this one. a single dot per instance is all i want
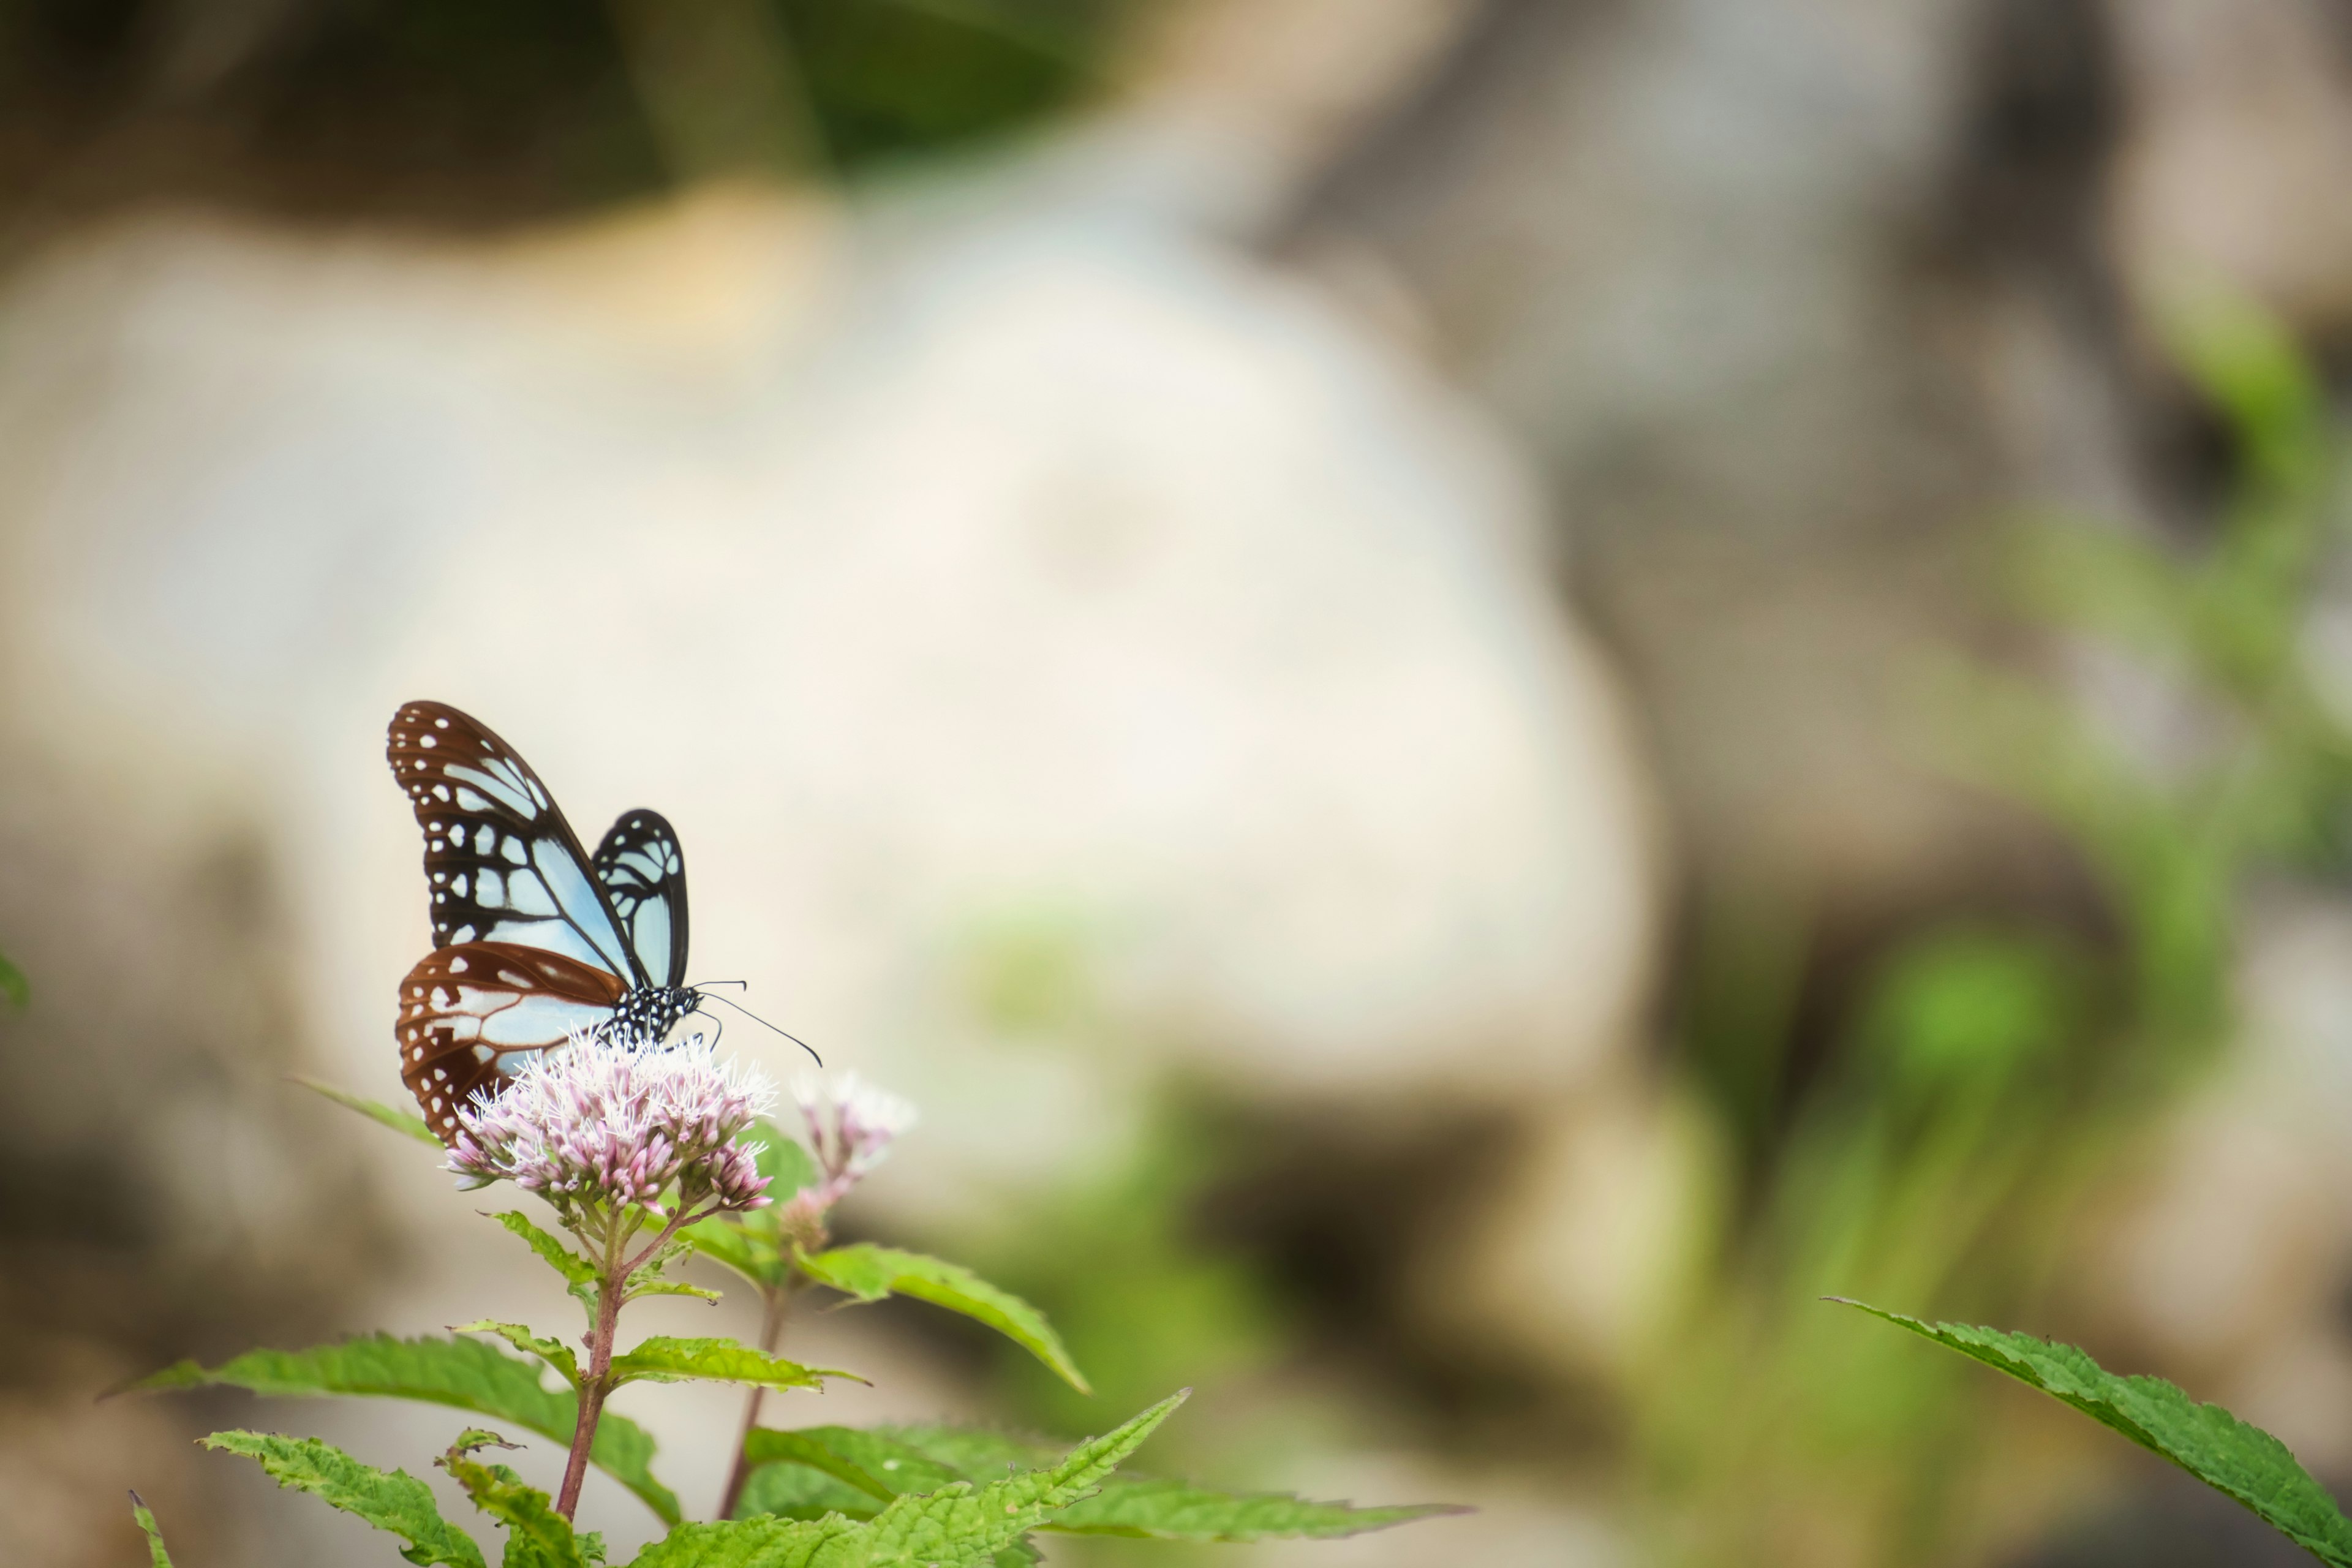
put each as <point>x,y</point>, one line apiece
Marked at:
<point>779,1299</point>
<point>594,1384</point>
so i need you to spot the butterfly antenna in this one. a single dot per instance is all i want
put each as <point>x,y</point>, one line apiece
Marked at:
<point>706,984</point>
<point>765,1025</point>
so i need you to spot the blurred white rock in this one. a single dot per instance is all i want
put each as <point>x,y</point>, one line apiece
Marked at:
<point>1064,564</point>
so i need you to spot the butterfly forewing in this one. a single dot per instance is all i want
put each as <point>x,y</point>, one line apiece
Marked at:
<point>644,874</point>
<point>500,863</point>
<point>468,1010</point>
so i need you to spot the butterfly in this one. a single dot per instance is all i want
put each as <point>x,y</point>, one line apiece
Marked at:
<point>533,940</point>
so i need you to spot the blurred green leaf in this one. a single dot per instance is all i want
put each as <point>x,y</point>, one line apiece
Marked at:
<point>724,1239</point>
<point>860,1471</point>
<point>788,1166</point>
<point>665,1359</point>
<point>397,1503</point>
<point>537,1536</point>
<point>13,986</point>
<point>1969,1007</point>
<point>870,1273</point>
<point>156,1557</point>
<point>375,1110</point>
<point>2240,1460</point>
<point>464,1375</point>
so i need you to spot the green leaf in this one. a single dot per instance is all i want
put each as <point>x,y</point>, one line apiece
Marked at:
<point>464,1375</point>
<point>870,1461</point>
<point>397,1503</point>
<point>537,1536</point>
<point>785,1163</point>
<point>761,1543</point>
<point>869,1273</point>
<point>156,1557</point>
<point>797,1491</point>
<point>958,1525</point>
<point>1179,1510</point>
<point>2225,1453</point>
<point>375,1110</point>
<point>665,1359</point>
<point>15,986</point>
<point>579,1276</point>
<point>967,1528</point>
<point>673,1288</point>
<point>883,1462</point>
<point>731,1240</point>
<point>554,1353</point>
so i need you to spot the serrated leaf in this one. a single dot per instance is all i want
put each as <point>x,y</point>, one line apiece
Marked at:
<point>869,1273</point>
<point>464,1375</point>
<point>579,1276</point>
<point>876,1462</point>
<point>397,1503</point>
<point>554,1353</point>
<point>960,1525</point>
<point>375,1110</point>
<point>1179,1510</point>
<point>760,1543</point>
<point>537,1536</point>
<point>13,984</point>
<point>2241,1461</point>
<point>156,1557</point>
<point>666,1359</point>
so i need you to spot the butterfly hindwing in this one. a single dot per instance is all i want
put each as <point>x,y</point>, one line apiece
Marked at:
<point>467,1008</point>
<point>500,863</point>
<point>644,875</point>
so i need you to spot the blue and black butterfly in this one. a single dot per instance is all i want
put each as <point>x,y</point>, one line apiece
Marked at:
<point>534,939</point>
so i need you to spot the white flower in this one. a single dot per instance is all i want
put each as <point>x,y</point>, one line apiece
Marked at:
<point>591,1124</point>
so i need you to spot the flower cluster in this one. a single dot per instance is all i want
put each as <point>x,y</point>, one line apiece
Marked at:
<point>851,1126</point>
<point>593,1125</point>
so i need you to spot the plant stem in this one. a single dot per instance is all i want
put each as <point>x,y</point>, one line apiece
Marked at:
<point>612,1295</point>
<point>595,1384</point>
<point>779,1306</point>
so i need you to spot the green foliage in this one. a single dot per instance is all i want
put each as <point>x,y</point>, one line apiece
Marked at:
<point>579,1274</point>
<point>398,1504</point>
<point>1993,1072</point>
<point>375,1110</point>
<point>537,1536</point>
<point>958,1525</point>
<point>858,1472</point>
<point>2225,1453</point>
<point>156,1557</point>
<point>870,1273</point>
<point>554,1353</point>
<point>750,1243</point>
<point>464,1375</point>
<point>664,1359</point>
<point>13,986</point>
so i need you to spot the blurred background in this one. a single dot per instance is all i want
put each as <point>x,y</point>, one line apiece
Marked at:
<point>1477,693</point>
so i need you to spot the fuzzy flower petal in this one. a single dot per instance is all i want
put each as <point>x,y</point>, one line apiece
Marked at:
<point>593,1124</point>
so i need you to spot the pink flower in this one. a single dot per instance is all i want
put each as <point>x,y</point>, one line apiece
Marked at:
<point>591,1126</point>
<point>851,1125</point>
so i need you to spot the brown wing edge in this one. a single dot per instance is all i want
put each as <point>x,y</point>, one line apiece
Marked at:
<point>437,1040</point>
